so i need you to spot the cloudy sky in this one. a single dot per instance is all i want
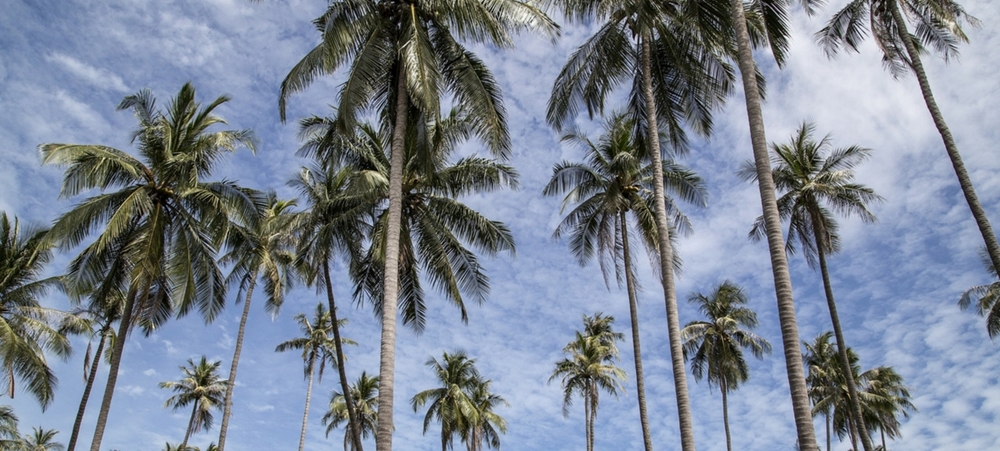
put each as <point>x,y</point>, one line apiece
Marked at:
<point>65,65</point>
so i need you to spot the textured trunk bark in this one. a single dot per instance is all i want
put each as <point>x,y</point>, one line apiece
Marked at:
<point>775,240</point>
<point>827,432</point>
<point>352,416</point>
<point>633,310</point>
<point>227,408</point>
<point>187,434</point>
<point>666,256</point>
<point>116,359</point>
<point>725,414</point>
<point>86,390</point>
<point>309,390</point>
<point>387,360</point>
<point>591,414</point>
<point>856,422</point>
<point>990,239</point>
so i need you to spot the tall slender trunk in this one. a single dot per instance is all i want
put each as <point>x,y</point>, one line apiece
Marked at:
<point>309,390</point>
<point>827,431</point>
<point>725,414</point>
<point>387,352</point>
<point>227,408</point>
<point>116,359</point>
<point>666,255</point>
<point>589,415</point>
<point>352,416</point>
<point>856,419</point>
<point>882,433</point>
<point>775,240</point>
<point>633,310</point>
<point>191,423</point>
<point>86,389</point>
<point>964,181</point>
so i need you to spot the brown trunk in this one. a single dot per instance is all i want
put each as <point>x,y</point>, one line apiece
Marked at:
<point>725,414</point>
<point>666,255</point>
<point>309,389</point>
<point>387,352</point>
<point>776,243</point>
<point>352,416</point>
<point>231,385</point>
<point>191,422</point>
<point>86,389</point>
<point>116,359</point>
<point>633,310</point>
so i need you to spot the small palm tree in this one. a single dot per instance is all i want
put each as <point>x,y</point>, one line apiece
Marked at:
<point>317,346</point>
<point>715,347</point>
<point>451,404</point>
<point>486,425</point>
<point>985,298</point>
<point>26,332</point>
<point>811,180</point>
<point>364,393</point>
<point>41,440</point>
<point>885,397</point>
<point>10,438</point>
<point>202,389</point>
<point>587,371</point>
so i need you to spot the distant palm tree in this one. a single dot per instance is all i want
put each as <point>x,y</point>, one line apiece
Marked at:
<point>885,397</point>
<point>162,227</point>
<point>26,332</point>
<point>586,372</point>
<point>715,347</point>
<point>486,425</point>
<point>450,404</point>
<point>317,348</point>
<point>824,377</point>
<point>263,248</point>
<point>985,298</point>
<point>203,389</point>
<point>811,179</point>
<point>41,440</point>
<point>364,392</point>
<point>10,438</point>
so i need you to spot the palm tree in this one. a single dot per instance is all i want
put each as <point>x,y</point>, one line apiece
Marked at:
<point>10,438</point>
<point>364,394</point>
<point>317,348</point>
<point>160,223</point>
<point>41,440</point>
<point>825,373</point>
<point>715,347</point>
<point>938,25</point>
<point>25,330</point>
<point>585,372</point>
<point>202,389</point>
<point>673,76</point>
<point>486,425</point>
<point>262,248</point>
<point>403,56</point>
<point>885,396</point>
<point>812,178</point>
<point>451,404</point>
<point>985,298</point>
<point>605,189</point>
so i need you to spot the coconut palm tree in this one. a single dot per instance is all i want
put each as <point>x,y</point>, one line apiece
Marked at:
<point>26,330</point>
<point>317,346</point>
<point>938,25</point>
<point>812,178</point>
<point>715,347</point>
<point>485,425</point>
<point>611,185</point>
<point>364,394</point>
<point>886,397</point>
<point>451,404</point>
<point>202,389</point>
<point>41,439</point>
<point>262,249</point>
<point>10,438</point>
<point>587,371</point>
<point>985,298</point>
<point>404,56</point>
<point>159,221</point>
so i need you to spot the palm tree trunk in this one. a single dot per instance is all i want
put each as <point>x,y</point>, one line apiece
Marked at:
<point>390,290</point>
<point>992,248</point>
<point>309,389</point>
<point>589,416</point>
<point>856,421</point>
<point>666,255</point>
<point>633,310</point>
<point>231,384</point>
<point>187,433</point>
<point>352,417</point>
<point>86,390</point>
<point>725,415</point>
<point>827,431</point>
<point>882,433</point>
<point>124,326</point>
<point>775,240</point>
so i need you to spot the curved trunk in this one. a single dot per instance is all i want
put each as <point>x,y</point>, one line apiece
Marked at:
<point>187,434</point>
<point>725,414</point>
<point>309,390</point>
<point>855,420</point>
<point>775,240</point>
<point>990,239</point>
<point>231,384</point>
<point>352,416</point>
<point>116,359</point>
<point>633,310</point>
<point>86,390</point>
<point>387,352</point>
<point>666,256</point>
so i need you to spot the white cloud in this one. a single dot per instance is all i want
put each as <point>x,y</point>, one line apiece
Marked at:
<point>99,78</point>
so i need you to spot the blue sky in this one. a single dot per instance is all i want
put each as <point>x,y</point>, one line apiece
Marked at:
<point>65,65</point>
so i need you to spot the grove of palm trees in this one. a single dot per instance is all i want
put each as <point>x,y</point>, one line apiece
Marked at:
<point>418,201</point>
